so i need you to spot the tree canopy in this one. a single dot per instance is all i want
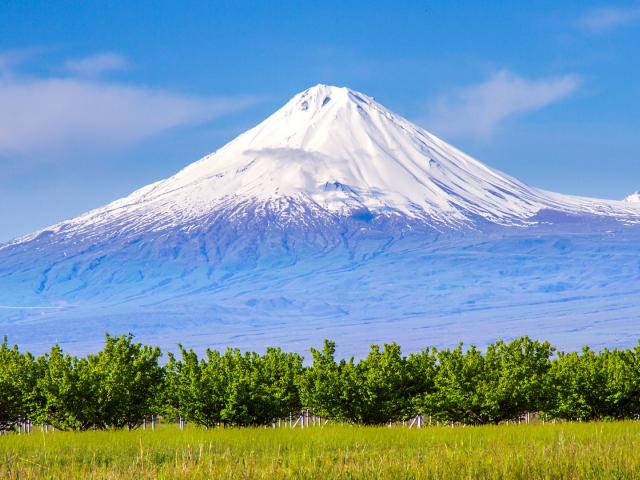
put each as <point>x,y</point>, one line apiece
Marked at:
<point>127,382</point>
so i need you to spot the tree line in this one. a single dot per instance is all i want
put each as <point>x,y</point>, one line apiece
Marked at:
<point>128,382</point>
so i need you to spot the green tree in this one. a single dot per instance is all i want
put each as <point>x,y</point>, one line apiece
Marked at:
<point>385,385</point>
<point>422,368</point>
<point>17,385</point>
<point>195,389</point>
<point>595,385</point>
<point>66,398</point>
<point>233,388</point>
<point>515,378</point>
<point>128,378</point>
<point>280,372</point>
<point>330,388</point>
<point>458,386</point>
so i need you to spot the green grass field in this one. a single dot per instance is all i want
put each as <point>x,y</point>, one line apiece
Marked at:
<point>576,451</point>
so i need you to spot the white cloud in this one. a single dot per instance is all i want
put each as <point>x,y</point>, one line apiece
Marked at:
<point>39,115</point>
<point>607,18</point>
<point>478,110</point>
<point>95,65</point>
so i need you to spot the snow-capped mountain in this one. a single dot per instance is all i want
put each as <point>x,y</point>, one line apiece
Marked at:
<point>335,152</point>
<point>332,191</point>
<point>634,197</point>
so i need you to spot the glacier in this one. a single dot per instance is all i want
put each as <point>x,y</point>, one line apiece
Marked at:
<point>333,218</point>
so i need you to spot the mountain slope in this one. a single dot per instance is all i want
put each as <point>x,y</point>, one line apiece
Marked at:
<point>332,191</point>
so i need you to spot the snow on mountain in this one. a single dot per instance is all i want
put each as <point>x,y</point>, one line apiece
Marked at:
<point>633,198</point>
<point>333,150</point>
<point>333,218</point>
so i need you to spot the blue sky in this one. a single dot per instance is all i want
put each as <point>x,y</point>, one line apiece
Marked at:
<point>100,98</point>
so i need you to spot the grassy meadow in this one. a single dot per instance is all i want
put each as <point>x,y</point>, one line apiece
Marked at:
<point>566,450</point>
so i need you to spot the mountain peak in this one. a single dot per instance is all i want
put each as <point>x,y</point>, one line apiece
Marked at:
<point>375,160</point>
<point>320,96</point>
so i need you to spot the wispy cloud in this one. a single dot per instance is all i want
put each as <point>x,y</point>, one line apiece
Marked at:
<point>476,111</point>
<point>609,17</point>
<point>95,65</point>
<point>40,114</point>
<point>10,60</point>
